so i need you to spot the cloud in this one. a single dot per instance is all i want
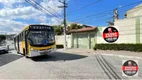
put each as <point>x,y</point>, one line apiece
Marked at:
<point>28,12</point>
<point>9,3</point>
<point>18,9</point>
<point>54,21</point>
<point>41,18</point>
<point>23,12</point>
<point>52,6</point>
<point>9,26</point>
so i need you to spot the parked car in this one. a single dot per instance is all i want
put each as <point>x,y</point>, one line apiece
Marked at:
<point>4,48</point>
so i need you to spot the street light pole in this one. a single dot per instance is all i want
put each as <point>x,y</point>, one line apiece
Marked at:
<point>64,6</point>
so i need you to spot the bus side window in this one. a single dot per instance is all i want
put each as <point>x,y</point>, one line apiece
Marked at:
<point>20,37</point>
<point>24,35</point>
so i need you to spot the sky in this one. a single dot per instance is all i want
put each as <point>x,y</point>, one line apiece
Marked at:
<point>16,14</point>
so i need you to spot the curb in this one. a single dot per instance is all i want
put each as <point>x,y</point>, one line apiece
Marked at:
<point>121,56</point>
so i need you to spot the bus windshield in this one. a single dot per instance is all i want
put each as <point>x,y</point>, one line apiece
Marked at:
<point>41,37</point>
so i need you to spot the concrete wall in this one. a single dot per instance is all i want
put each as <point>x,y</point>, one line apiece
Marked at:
<point>60,40</point>
<point>136,11</point>
<point>141,30</point>
<point>130,31</point>
<point>78,40</point>
<point>126,28</point>
<point>130,28</point>
<point>99,35</point>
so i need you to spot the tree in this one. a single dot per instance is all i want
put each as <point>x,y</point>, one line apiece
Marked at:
<point>74,26</point>
<point>2,37</point>
<point>58,30</point>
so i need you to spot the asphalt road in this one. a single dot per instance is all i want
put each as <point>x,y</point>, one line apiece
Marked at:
<point>63,65</point>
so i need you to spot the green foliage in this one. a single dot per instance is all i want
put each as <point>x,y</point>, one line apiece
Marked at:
<point>75,26</point>
<point>58,30</point>
<point>127,47</point>
<point>2,37</point>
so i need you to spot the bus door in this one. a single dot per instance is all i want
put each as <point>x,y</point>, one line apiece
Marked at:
<point>26,42</point>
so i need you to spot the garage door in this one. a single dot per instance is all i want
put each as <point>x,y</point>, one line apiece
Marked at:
<point>80,40</point>
<point>83,40</point>
<point>92,42</point>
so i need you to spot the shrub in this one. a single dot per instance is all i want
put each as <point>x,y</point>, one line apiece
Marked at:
<point>127,47</point>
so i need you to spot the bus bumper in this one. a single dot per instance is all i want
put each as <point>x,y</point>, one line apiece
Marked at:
<point>35,53</point>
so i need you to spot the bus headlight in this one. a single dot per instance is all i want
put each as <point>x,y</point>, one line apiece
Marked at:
<point>32,49</point>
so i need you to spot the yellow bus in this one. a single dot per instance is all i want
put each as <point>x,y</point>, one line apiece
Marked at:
<point>35,40</point>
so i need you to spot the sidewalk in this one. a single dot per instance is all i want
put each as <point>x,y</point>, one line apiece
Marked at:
<point>79,51</point>
<point>104,52</point>
<point>125,53</point>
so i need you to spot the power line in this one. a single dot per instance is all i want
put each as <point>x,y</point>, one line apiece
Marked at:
<point>105,15</point>
<point>55,11</point>
<point>130,4</point>
<point>41,8</point>
<point>100,19</point>
<point>132,9</point>
<point>44,8</point>
<point>95,17</point>
<point>88,16</point>
<point>84,6</point>
<point>103,12</point>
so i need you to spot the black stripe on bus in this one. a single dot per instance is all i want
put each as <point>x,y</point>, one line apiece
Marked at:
<point>50,44</point>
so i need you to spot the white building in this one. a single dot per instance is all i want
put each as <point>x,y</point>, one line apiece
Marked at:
<point>130,28</point>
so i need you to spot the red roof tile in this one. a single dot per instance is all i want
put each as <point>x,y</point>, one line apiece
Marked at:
<point>82,30</point>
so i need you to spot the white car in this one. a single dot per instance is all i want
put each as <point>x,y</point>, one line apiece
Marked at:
<point>4,47</point>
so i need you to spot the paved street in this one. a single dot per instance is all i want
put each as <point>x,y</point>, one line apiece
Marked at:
<point>64,65</point>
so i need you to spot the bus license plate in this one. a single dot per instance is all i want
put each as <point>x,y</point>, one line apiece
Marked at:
<point>44,52</point>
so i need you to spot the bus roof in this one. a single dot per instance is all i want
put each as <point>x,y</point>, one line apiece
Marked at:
<point>28,26</point>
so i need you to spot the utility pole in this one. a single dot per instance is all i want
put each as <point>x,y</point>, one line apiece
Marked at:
<point>116,15</point>
<point>64,6</point>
